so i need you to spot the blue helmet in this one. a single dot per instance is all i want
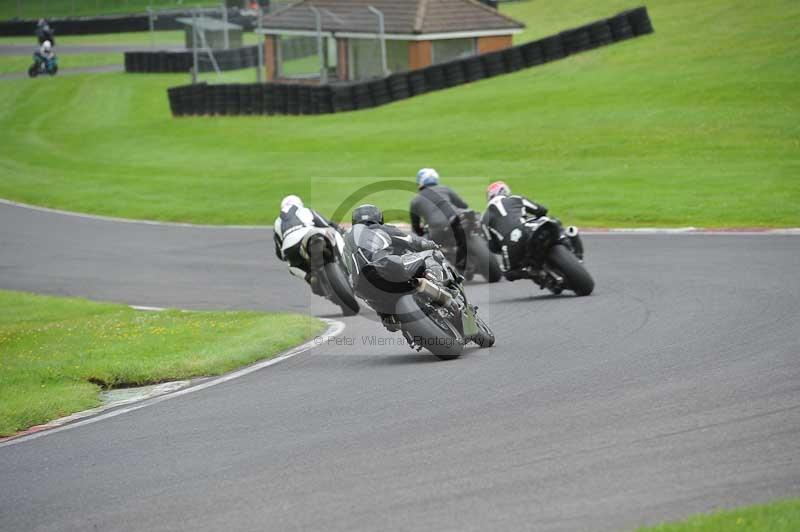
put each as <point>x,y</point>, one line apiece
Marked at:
<point>427,177</point>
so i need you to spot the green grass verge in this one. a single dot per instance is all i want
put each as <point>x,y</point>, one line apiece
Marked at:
<point>783,516</point>
<point>20,63</point>
<point>55,353</point>
<point>31,9</point>
<point>694,125</point>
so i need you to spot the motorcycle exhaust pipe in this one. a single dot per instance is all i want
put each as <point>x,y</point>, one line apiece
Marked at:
<point>434,292</point>
<point>575,240</point>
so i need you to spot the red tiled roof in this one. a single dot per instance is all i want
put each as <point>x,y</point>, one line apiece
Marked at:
<point>400,16</point>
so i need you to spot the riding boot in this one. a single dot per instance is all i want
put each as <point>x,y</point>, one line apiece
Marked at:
<point>513,275</point>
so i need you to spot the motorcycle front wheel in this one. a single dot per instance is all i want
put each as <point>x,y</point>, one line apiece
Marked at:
<point>485,337</point>
<point>33,71</point>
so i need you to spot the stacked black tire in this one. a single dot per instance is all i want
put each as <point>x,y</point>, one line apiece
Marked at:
<point>254,99</point>
<point>303,99</point>
<point>161,62</point>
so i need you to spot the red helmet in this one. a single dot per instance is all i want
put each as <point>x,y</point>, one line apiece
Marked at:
<point>498,188</point>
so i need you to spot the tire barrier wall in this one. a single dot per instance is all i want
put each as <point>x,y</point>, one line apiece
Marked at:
<point>305,99</point>
<point>160,62</point>
<point>110,24</point>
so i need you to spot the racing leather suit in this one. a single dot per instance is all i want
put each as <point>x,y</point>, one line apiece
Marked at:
<point>504,215</point>
<point>290,228</point>
<point>438,206</point>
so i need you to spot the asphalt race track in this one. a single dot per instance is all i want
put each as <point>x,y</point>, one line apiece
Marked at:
<point>674,389</point>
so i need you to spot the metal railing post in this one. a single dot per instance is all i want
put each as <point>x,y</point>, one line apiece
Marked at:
<point>225,38</point>
<point>323,72</point>
<point>151,26</point>
<point>382,34</point>
<point>194,47</point>
<point>261,42</point>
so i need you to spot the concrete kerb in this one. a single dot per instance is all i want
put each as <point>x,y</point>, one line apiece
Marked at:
<point>407,227</point>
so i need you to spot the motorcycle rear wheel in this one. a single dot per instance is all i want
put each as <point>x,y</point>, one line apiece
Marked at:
<point>576,278</point>
<point>341,293</point>
<point>431,333</point>
<point>484,260</point>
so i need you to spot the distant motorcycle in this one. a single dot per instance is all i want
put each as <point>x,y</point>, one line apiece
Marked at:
<point>430,313</point>
<point>553,256</point>
<point>42,65</point>
<point>479,259</point>
<point>322,248</point>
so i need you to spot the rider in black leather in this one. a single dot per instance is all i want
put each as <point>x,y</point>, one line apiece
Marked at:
<point>44,32</point>
<point>401,243</point>
<point>437,206</point>
<point>373,239</point>
<point>504,215</point>
<point>291,226</point>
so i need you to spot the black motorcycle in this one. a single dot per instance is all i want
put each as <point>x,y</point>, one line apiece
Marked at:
<point>322,248</point>
<point>42,65</point>
<point>553,256</point>
<point>471,248</point>
<point>431,312</point>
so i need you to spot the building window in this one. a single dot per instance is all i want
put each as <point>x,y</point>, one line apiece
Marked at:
<point>397,55</point>
<point>365,59</point>
<point>298,57</point>
<point>366,62</point>
<point>448,49</point>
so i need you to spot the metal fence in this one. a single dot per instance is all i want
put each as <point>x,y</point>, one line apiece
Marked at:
<point>319,57</point>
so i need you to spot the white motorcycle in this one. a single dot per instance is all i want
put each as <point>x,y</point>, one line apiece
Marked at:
<point>322,248</point>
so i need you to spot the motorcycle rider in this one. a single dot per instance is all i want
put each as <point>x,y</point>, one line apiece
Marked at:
<point>438,206</point>
<point>368,225</point>
<point>400,243</point>
<point>44,32</point>
<point>501,221</point>
<point>45,52</point>
<point>291,226</point>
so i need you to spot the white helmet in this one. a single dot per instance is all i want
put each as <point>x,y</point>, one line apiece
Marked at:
<point>291,201</point>
<point>427,177</point>
<point>47,45</point>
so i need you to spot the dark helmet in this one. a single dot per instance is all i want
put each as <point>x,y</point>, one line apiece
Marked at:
<point>367,214</point>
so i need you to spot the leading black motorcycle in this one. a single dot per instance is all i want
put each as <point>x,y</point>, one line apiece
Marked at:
<point>552,256</point>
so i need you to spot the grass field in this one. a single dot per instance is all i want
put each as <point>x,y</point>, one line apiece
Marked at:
<point>31,9</point>
<point>694,125</point>
<point>57,353</point>
<point>783,516</point>
<point>20,63</point>
<point>138,39</point>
